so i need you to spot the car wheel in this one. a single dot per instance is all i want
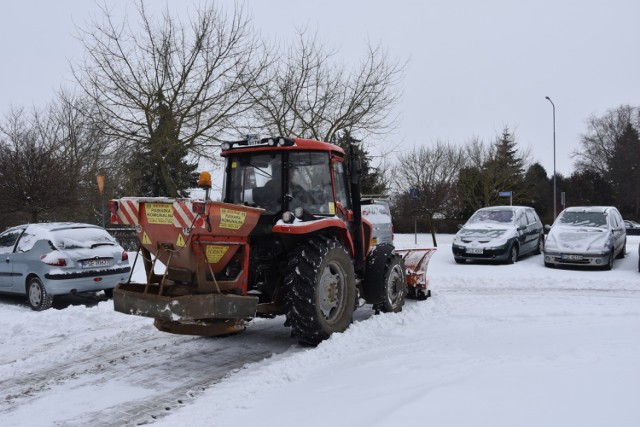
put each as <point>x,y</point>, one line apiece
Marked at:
<point>540,247</point>
<point>609,265</point>
<point>108,293</point>
<point>513,255</point>
<point>39,299</point>
<point>623,251</point>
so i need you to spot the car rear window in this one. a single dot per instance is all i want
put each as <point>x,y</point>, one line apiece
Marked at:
<point>83,237</point>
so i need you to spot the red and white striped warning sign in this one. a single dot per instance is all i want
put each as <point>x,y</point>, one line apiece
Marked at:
<point>127,212</point>
<point>184,217</point>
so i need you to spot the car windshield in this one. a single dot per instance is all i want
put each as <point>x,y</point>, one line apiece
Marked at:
<point>80,237</point>
<point>492,215</point>
<point>584,219</point>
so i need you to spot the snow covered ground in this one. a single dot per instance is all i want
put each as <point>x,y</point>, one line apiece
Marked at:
<point>496,345</point>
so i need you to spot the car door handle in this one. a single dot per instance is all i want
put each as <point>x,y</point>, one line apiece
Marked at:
<point>6,260</point>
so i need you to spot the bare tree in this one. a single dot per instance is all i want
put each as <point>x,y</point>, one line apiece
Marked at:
<point>36,178</point>
<point>599,142</point>
<point>49,161</point>
<point>426,180</point>
<point>307,93</point>
<point>475,182</point>
<point>168,88</point>
<point>493,168</point>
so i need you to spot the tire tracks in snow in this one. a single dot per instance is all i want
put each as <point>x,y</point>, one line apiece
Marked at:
<point>171,370</point>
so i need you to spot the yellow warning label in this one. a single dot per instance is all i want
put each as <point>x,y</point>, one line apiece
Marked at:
<point>231,219</point>
<point>145,239</point>
<point>215,253</point>
<point>332,208</point>
<point>159,213</point>
<point>180,241</point>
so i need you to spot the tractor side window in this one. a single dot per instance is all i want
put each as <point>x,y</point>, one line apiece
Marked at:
<point>340,178</point>
<point>309,182</point>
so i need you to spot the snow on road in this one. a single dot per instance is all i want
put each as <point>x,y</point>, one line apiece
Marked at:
<point>496,345</point>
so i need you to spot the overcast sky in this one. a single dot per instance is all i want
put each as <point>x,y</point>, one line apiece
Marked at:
<point>473,68</point>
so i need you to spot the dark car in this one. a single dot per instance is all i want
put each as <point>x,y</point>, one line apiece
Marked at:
<point>499,233</point>
<point>632,228</point>
<point>45,260</point>
<point>586,236</point>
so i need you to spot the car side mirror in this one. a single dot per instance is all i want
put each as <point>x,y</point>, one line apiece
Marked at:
<point>547,227</point>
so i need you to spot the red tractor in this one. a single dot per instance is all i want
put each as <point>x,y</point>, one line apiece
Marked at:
<point>288,238</point>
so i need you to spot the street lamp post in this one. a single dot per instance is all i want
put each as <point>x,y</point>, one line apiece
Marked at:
<point>554,156</point>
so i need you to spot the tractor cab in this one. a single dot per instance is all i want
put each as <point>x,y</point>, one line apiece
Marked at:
<point>298,180</point>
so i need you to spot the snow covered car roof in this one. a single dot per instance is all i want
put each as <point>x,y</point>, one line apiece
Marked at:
<point>63,235</point>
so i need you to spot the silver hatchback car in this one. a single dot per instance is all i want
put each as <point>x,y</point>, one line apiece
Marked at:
<point>586,236</point>
<point>44,260</point>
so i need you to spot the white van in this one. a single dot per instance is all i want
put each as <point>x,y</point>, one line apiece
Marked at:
<point>377,212</point>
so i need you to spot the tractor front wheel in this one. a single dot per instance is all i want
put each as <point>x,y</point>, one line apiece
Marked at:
<point>384,281</point>
<point>320,290</point>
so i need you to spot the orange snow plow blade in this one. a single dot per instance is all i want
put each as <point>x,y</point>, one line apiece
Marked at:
<point>415,264</point>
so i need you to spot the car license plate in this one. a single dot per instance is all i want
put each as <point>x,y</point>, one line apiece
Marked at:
<point>572,257</point>
<point>474,250</point>
<point>93,263</point>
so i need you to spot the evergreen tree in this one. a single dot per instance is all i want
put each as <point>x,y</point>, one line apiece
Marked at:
<point>507,167</point>
<point>491,170</point>
<point>160,167</point>
<point>624,172</point>
<point>372,180</point>
<point>536,189</point>
<point>586,187</point>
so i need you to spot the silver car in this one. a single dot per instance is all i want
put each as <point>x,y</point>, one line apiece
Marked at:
<point>45,260</point>
<point>499,233</point>
<point>586,235</point>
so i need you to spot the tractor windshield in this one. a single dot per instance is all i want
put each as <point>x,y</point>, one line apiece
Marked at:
<point>281,181</point>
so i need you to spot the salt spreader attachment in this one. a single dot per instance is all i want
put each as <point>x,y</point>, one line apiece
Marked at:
<point>204,246</point>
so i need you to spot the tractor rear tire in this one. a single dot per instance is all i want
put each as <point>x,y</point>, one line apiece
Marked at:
<point>320,290</point>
